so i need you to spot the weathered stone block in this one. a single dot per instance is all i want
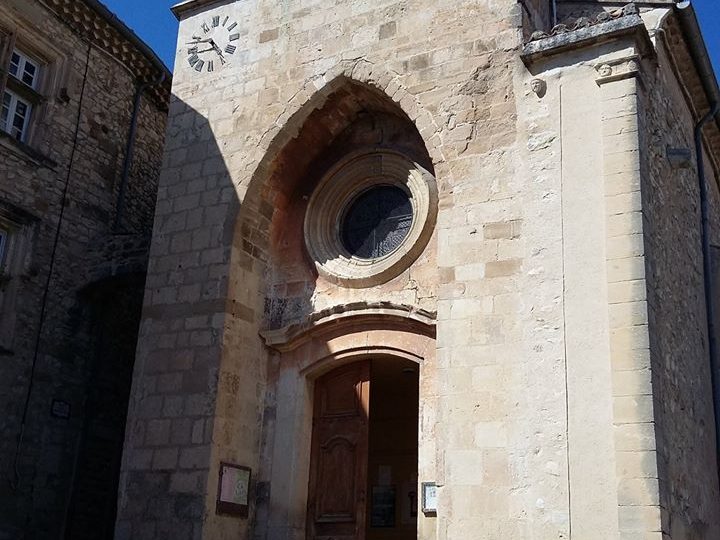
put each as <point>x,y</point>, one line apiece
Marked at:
<point>508,267</point>
<point>503,229</point>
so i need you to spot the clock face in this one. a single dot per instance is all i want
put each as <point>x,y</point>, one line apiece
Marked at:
<point>213,44</point>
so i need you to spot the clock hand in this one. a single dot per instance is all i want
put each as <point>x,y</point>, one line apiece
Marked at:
<point>219,51</point>
<point>199,41</point>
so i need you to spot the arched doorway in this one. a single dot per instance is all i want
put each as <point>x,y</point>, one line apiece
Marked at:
<point>397,344</point>
<point>364,452</point>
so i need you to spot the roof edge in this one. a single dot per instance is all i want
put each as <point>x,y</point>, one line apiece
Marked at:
<point>690,27</point>
<point>131,36</point>
<point>92,22</point>
<point>584,35</point>
<point>179,10</point>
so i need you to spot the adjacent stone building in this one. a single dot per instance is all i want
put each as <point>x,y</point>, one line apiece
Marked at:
<point>81,136</point>
<point>430,269</point>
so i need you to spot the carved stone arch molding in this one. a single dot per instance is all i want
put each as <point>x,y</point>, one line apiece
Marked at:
<point>317,89</point>
<point>324,341</point>
<point>273,277</point>
<point>347,316</point>
<point>346,333</point>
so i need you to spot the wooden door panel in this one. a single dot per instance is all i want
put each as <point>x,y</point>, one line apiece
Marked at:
<point>338,463</point>
<point>339,395</point>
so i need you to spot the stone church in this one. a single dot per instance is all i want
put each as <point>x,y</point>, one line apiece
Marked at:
<point>433,270</point>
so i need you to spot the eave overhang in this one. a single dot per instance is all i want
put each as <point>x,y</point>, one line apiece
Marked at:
<point>586,33</point>
<point>681,31</point>
<point>702,84</point>
<point>95,23</point>
<point>180,10</point>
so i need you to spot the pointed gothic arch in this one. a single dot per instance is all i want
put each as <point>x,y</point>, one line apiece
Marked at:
<point>272,282</point>
<point>312,122</point>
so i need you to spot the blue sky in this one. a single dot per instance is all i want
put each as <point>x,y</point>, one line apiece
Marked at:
<point>157,26</point>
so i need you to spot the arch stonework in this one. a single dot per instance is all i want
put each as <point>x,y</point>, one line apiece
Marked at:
<point>246,256</point>
<point>317,89</point>
<point>287,126</point>
<point>311,97</point>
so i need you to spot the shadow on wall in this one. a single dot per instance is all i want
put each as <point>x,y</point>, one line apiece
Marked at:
<point>177,376</point>
<point>114,307</point>
<point>80,453</point>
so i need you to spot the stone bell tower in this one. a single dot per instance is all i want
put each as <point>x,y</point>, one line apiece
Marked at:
<point>411,277</point>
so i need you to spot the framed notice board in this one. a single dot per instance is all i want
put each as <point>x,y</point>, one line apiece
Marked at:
<point>233,490</point>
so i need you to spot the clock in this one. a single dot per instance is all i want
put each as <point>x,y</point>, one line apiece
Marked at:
<point>212,45</point>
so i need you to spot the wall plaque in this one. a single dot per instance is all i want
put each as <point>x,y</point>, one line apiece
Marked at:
<point>233,490</point>
<point>429,498</point>
<point>60,409</point>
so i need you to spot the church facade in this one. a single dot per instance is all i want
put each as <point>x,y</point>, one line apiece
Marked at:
<point>431,270</point>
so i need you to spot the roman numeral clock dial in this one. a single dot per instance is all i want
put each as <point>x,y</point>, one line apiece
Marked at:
<point>212,45</point>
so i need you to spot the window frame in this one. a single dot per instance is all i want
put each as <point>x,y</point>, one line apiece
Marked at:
<point>20,91</point>
<point>17,236</point>
<point>34,94</point>
<point>23,61</point>
<point>49,89</point>
<point>354,174</point>
<point>10,126</point>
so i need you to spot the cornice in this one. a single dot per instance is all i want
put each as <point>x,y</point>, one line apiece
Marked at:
<point>181,9</point>
<point>357,314</point>
<point>618,69</point>
<point>93,22</point>
<point>681,35</point>
<point>586,32</point>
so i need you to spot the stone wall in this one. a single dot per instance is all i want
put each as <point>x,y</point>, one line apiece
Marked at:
<point>87,162</point>
<point>676,304</point>
<point>661,408</point>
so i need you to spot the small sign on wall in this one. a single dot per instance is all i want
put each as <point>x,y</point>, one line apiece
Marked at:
<point>60,409</point>
<point>429,498</point>
<point>233,490</point>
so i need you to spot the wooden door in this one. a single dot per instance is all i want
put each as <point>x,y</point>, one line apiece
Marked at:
<point>338,463</point>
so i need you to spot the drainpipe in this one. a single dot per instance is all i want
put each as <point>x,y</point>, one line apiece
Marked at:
<point>129,150</point>
<point>707,272</point>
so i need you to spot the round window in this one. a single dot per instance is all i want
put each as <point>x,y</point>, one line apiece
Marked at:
<point>377,222</point>
<point>370,217</point>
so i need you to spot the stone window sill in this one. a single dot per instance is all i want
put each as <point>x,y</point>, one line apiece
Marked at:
<point>24,151</point>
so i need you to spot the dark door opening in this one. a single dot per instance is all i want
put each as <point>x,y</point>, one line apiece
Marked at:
<point>393,450</point>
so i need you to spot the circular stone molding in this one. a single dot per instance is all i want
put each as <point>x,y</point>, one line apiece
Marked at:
<point>339,188</point>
